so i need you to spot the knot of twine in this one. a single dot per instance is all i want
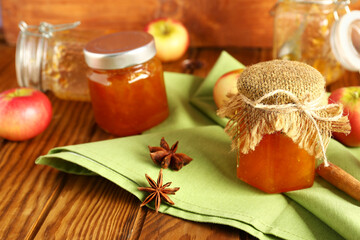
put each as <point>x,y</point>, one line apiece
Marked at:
<point>307,107</point>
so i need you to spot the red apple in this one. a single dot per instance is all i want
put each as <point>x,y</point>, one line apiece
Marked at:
<point>171,38</point>
<point>224,85</point>
<point>349,97</point>
<point>24,113</point>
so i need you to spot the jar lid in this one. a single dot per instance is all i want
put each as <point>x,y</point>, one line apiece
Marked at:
<point>345,40</point>
<point>119,50</point>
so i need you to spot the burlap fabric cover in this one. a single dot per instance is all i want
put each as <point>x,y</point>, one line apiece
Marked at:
<point>280,113</point>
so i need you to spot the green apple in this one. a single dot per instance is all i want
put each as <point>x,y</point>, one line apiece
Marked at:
<point>171,38</point>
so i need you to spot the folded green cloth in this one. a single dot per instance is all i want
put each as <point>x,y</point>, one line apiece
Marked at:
<point>209,189</point>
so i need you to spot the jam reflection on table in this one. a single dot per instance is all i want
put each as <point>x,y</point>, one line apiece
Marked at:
<point>130,100</point>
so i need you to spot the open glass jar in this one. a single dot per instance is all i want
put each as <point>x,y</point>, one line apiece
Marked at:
<point>305,30</point>
<point>126,83</point>
<point>50,57</point>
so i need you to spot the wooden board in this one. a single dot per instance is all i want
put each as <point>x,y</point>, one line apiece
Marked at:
<point>219,23</point>
<point>210,23</point>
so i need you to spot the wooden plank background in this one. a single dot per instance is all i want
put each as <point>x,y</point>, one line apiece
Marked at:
<point>218,23</point>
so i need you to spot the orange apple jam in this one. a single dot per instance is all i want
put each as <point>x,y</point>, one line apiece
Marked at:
<point>130,100</point>
<point>126,83</point>
<point>277,165</point>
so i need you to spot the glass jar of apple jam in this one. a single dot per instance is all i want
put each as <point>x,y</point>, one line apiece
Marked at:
<point>50,57</point>
<point>304,30</point>
<point>126,83</point>
<point>281,124</point>
<point>276,165</point>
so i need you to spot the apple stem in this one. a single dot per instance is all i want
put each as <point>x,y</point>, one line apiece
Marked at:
<point>165,28</point>
<point>356,94</point>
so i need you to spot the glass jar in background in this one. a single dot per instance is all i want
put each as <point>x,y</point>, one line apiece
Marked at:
<point>126,83</point>
<point>50,57</point>
<point>303,31</point>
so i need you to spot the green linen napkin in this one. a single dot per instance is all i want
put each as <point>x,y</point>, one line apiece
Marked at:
<point>209,190</point>
<point>203,97</point>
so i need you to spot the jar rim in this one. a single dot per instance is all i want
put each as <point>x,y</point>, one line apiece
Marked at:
<point>119,50</point>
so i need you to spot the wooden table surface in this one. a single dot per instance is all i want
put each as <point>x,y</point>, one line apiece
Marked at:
<point>38,202</point>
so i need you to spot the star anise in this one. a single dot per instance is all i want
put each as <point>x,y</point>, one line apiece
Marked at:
<point>166,156</point>
<point>158,191</point>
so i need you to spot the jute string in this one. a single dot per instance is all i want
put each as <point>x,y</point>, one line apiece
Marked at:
<point>309,108</point>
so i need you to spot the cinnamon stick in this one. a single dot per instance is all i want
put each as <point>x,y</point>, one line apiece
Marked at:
<point>340,179</point>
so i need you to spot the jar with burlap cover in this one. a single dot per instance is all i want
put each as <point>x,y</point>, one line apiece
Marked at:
<point>287,97</point>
